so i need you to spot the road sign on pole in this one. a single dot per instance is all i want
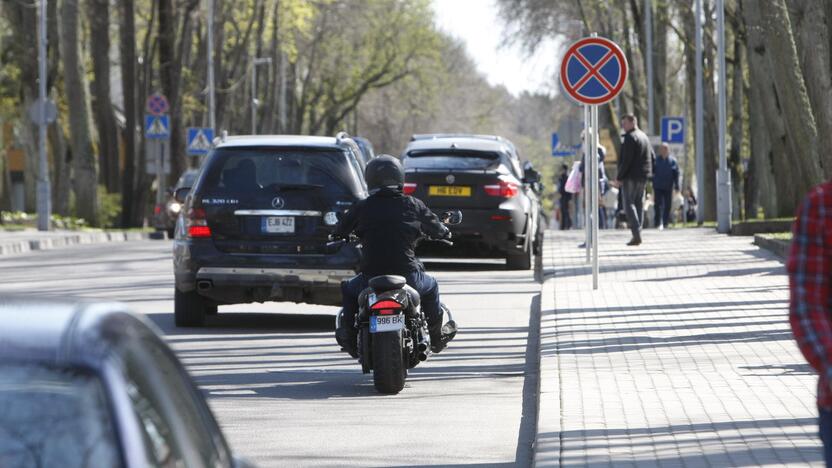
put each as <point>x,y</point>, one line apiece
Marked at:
<point>157,104</point>
<point>560,149</point>
<point>593,71</point>
<point>156,127</point>
<point>673,130</point>
<point>199,141</point>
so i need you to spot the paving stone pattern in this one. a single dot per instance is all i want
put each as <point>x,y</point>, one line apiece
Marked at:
<point>682,357</point>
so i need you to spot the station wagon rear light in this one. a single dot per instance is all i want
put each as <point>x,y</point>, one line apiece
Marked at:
<point>386,307</point>
<point>500,218</point>
<point>409,188</point>
<point>197,223</point>
<point>502,189</point>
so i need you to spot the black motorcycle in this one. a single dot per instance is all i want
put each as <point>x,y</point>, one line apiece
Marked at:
<point>392,329</point>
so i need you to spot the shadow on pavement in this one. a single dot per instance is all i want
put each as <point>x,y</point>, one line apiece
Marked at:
<point>243,322</point>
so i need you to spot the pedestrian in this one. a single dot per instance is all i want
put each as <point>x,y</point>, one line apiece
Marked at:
<point>665,184</point>
<point>602,180</point>
<point>633,172</point>
<point>810,304</point>
<point>565,197</point>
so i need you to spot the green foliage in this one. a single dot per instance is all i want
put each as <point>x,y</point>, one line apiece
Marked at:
<point>19,220</point>
<point>110,207</point>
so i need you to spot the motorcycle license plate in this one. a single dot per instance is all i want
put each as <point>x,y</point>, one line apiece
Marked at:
<point>386,323</point>
<point>278,224</point>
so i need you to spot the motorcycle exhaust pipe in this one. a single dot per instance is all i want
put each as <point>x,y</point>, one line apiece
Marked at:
<point>423,346</point>
<point>423,356</point>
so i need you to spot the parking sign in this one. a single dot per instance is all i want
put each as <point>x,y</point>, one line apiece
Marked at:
<point>673,130</point>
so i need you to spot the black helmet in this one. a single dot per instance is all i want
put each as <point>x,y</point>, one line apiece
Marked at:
<point>384,171</point>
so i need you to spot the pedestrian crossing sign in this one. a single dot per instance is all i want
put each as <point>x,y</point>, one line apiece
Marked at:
<point>199,140</point>
<point>156,127</point>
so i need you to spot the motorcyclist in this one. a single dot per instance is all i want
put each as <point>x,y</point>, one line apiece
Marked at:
<point>389,223</point>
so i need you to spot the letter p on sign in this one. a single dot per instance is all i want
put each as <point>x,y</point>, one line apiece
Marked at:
<point>673,130</point>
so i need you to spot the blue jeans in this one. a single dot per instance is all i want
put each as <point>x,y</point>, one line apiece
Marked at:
<point>419,280</point>
<point>664,198</point>
<point>825,431</point>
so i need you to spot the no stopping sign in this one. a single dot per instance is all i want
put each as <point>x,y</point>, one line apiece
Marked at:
<point>593,70</point>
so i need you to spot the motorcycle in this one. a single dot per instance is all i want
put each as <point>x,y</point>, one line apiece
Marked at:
<point>392,329</point>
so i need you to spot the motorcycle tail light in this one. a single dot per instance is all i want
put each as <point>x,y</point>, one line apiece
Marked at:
<point>386,307</point>
<point>502,189</point>
<point>197,223</point>
<point>409,188</point>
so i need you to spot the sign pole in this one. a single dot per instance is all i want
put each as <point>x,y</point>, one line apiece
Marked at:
<point>587,185</point>
<point>595,194</point>
<point>723,179</point>
<point>160,173</point>
<point>44,202</point>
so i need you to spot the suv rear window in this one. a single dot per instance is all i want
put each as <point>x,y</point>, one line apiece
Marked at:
<point>444,159</point>
<point>244,170</point>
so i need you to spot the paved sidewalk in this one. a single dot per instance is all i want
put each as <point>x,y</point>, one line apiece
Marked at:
<point>17,242</point>
<point>682,357</point>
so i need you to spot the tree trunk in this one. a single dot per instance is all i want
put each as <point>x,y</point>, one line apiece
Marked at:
<point>130,216</point>
<point>60,176</point>
<point>760,189</point>
<point>99,17</point>
<point>784,67</point>
<point>764,92</point>
<point>660,26</point>
<point>810,25</point>
<point>736,130</point>
<point>710,151</point>
<point>75,84</point>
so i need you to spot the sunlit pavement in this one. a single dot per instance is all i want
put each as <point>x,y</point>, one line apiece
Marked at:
<point>682,357</point>
<point>284,393</point>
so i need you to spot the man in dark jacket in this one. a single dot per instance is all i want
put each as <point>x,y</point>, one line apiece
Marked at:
<point>565,197</point>
<point>665,181</point>
<point>389,223</point>
<point>633,172</point>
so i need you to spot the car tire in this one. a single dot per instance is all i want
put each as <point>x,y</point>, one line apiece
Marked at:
<point>519,260</point>
<point>188,309</point>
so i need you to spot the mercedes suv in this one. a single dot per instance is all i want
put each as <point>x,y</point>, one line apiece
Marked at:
<point>482,176</point>
<point>254,226</point>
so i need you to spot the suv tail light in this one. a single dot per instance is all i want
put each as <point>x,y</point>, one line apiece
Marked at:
<point>409,188</point>
<point>197,223</point>
<point>386,307</point>
<point>502,189</point>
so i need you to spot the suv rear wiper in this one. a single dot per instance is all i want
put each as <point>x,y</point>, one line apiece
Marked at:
<point>287,187</point>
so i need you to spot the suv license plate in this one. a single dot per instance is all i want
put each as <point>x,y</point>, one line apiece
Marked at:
<point>449,191</point>
<point>386,323</point>
<point>279,224</point>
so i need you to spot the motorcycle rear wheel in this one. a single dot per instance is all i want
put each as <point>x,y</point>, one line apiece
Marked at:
<point>389,366</point>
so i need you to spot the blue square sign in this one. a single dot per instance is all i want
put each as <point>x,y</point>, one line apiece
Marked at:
<point>199,141</point>
<point>673,130</point>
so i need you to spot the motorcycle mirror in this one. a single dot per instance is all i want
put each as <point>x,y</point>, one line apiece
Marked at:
<point>452,217</point>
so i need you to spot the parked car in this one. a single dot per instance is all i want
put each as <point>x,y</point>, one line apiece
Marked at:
<point>167,216</point>
<point>85,385</point>
<point>256,223</point>
<point>481,175</point>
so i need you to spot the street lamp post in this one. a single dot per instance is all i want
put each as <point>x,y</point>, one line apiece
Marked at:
<point>723,177</point>
<point>212,122</point>
<point>44,203</point>
<point>255,61</point>
<point>700,125</point>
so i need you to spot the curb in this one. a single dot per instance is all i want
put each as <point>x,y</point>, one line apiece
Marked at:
<point>547,439</point>
<point>777,247</point>
<point>56,242</point>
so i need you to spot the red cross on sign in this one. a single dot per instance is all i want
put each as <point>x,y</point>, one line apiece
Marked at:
<point>157,104</point>
<point>593,70</point>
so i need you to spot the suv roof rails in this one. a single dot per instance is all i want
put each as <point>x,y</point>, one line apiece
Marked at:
<point>433,136</point>
<point>342,135</point>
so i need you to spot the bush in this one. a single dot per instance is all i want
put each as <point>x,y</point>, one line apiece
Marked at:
<point>109,207</point>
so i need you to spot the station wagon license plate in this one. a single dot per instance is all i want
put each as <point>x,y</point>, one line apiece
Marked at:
<point>386,323</point>
<point>449,191</point>
<point>278,224</point>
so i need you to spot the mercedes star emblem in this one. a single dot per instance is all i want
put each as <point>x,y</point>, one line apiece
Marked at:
<point>277,202</point>
<point>450,179</point>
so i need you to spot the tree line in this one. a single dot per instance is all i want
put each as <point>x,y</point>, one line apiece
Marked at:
<point>379,68</point>
<point>779,84</point>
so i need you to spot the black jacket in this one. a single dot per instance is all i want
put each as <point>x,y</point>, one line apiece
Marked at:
<point>389,224</point>
<point>636,157</point>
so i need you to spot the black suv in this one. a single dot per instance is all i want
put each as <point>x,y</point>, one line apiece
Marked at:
<point>254,227</point>
<point>482,176</point>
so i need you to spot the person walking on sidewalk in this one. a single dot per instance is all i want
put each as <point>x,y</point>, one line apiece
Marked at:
<point>565,197</point>
<point>633,172</point>
<point>665,183</point>
<point>810,303</point>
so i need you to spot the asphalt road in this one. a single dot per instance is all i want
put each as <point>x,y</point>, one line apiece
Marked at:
<point>284,393</point>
